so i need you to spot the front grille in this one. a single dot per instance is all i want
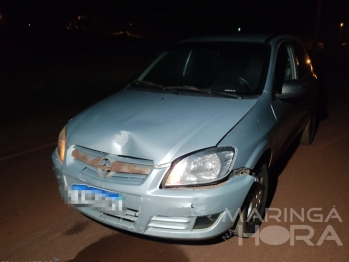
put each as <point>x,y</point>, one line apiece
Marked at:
<point>129,219</point>
<point>119,169</point>
<point>174,223</point>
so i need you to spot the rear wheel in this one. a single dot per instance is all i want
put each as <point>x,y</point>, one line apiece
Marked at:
<point>254,205</point>
<point>309,131</point>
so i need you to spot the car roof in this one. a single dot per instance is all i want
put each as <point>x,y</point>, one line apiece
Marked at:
<point>254,38</point>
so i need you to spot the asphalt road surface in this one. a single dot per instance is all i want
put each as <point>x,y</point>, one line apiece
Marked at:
<point>35,224</point>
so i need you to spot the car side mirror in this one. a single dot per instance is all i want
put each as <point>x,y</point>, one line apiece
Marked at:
<point>293,89</point>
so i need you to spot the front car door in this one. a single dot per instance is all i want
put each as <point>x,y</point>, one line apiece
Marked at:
<point>291,114</point>
<point>306,74</point>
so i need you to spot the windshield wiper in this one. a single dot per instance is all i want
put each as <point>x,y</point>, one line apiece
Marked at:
<point>201,90</point>
<point>153,85</point>
<point>226,94</point>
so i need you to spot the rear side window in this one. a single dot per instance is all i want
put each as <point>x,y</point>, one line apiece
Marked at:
<point>303,61</point>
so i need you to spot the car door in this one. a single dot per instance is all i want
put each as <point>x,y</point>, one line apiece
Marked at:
<point>290,113</point>
<point>306,75</point>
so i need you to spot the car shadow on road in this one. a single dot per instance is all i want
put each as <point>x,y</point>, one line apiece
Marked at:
<point>125,247</point>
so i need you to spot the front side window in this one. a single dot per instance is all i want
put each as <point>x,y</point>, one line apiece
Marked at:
<point>225,67</point>
<point>283,67</point>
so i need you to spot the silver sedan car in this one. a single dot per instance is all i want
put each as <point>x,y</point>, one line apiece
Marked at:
<point>184,151</point>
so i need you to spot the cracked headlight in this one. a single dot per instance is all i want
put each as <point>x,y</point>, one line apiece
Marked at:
<point>203,167</point>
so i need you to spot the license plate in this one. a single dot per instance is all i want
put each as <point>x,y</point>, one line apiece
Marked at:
<point>83,195</point>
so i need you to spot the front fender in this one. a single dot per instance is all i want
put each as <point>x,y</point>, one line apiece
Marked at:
<point>252,135</point>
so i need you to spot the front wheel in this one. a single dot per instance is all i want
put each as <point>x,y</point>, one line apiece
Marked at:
<point>253,208</point>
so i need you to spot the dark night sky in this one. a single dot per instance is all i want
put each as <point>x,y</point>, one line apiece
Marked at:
<point>294,16</point>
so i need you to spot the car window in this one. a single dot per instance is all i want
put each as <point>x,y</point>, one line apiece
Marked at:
<point>223,67</point>
<point>168,68</point>
<point>283,67</point>
<point>303,61</point>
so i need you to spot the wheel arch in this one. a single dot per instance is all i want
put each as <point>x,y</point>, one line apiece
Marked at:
<point>262,153</point>
<point>265,157</point>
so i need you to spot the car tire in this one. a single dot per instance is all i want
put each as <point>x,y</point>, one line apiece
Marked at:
<point>253,208</point>
<point>309,131</point>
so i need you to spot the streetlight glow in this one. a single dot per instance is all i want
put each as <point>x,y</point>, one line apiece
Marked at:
<point>340,32</point>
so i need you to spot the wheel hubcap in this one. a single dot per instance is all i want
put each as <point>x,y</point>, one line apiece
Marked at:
<point>256,198</point>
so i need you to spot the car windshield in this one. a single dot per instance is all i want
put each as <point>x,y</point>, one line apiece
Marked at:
<point>222,67</point>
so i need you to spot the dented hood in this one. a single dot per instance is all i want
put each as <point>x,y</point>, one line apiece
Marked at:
<point>156,126</point>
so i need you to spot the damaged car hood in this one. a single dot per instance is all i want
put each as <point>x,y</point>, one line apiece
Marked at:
<point>155,125</point>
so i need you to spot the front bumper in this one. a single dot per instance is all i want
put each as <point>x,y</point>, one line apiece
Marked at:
<point>165,213</point>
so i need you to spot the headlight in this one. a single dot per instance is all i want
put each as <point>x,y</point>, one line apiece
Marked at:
<point>203,167</point>
<point>62,138</point>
